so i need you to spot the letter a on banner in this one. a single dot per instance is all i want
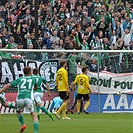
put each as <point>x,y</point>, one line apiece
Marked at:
<point>6,72</point>
<point>109,102</point>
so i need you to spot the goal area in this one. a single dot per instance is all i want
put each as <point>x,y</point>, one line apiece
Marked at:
<point>109,71</point>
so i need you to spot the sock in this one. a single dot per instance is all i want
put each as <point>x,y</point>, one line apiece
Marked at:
<point>10,105</point>
<point>37,109</point>
<point>21,119</point>
<point>61,108</point>
<point>78,106</point>
<point>86,105</point>
<point>64,110</point>
<point>44,110</point>
<point>36,126</point>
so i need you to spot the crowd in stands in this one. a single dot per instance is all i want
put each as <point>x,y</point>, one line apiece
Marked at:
<point>67,25</point>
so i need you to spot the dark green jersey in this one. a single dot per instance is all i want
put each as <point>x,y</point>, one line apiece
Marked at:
<point>25,86</point>
<point>39,80</point>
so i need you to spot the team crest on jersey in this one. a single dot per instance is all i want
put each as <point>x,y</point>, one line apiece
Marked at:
<point>48,71</point>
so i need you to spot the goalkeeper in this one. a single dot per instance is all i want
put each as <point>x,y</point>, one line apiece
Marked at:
<point>55,104</point>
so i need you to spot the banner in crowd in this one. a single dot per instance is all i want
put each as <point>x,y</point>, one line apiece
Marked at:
<point>110,83</point>
<point>13,69</point>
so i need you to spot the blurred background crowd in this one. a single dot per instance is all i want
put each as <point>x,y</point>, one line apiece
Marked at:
<point>70,25</point>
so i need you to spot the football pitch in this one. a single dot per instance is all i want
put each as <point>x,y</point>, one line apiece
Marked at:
<point>83,123</point>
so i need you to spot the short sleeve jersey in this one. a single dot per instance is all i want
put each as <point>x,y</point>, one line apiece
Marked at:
<point>25,87</point>
<point>83,83</point>
<point>39,81</point>
<point>62,79</point>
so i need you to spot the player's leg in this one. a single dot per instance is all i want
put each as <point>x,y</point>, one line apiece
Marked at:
<point>74,103</point>
<point>39,103</point>
<point>37,100</point>
<point>64,110</point>
<point>87,98</point>
<point>20,106</point>
<point>79,96</point>
<point>4,103</point>
<point>29,104</point>
<point>65,97</point>
<point>51,106</point>
<point>35,119</point>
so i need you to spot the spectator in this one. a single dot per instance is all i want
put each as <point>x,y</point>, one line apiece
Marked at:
<point>92,65</point>
<point>80,24</point>
<point>54,38</point>
<point>11,44</point>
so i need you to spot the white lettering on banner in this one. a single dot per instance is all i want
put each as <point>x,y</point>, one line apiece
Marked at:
<point>16,71</point>
<point>32,65</point>
<point>122,102</point>
<point>109,102</point>
<point>13,69</point>
<point>6,72</point>
<point>131,105</point>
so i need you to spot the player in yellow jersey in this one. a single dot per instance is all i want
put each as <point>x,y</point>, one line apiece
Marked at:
<point>82,81</point>
<point>63,89</point>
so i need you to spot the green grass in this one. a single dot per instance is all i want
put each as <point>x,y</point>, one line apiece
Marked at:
<point>91,123</point>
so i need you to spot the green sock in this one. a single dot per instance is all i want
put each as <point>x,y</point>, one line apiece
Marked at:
<point>37,109</point>
<point>10,105</point>
<point>21,119</point>
<point>36,126</point>
<point>44,110</point>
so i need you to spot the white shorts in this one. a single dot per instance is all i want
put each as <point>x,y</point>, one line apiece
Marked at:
<point>25,103</point>
<point>38,97</point>
<point>2,99</point>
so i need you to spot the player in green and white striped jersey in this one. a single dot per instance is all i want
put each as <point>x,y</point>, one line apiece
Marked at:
<point>4,103</point>
<point>25,97</point>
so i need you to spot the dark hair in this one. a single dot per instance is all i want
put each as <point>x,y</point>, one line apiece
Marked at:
<point>35,71</point>
<point>84,69</point>
<point>27,70</point>
<point>62,63</point>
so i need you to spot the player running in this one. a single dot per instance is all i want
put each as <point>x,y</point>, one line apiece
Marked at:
<point>38,94</point>
<point>25,97</point>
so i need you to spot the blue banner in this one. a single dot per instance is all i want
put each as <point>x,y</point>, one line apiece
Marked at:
<point>111,103</point>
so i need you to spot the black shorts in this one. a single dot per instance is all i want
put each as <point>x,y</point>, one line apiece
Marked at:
<point>85,96</point>
<point>63,95</point>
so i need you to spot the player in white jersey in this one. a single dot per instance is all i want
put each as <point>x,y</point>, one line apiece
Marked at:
<point>38,94</point>
<point>25,97</point>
